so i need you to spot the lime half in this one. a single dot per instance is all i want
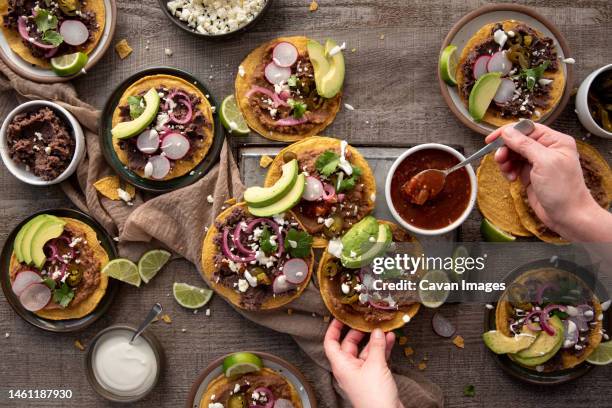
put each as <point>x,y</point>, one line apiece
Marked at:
<point>191,297</point>
<point>232,118</point>
<point>151,262</point>
<point>602,355</point>
<point>124,270</point>
<point>448,64</point>
<point>69,64</point>
<point>491,233</point>
<point>241,363</point>
<point>435,294</point>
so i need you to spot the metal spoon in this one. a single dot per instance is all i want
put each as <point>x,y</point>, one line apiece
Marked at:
<point>153,313</point>
<point>428,183</point>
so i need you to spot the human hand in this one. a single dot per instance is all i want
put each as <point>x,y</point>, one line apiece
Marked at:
<point>364,377</point>
<point>548,165</point>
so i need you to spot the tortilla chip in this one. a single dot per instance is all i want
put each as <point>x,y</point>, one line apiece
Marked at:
<point>265,161</point>
<point>459,342</point>
<point>244,82</point>
<point>200,148</point>
<point>494,198</point>
<point>123,49</point>
<point>15,41</point>
<point>109,187</point>
<point>492,116</point>
<point>314,6</point>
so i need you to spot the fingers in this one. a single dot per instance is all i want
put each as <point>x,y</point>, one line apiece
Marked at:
<point>331,344</point>
<point>350,344</point>
<point>525,146</point>
<point>377,347</point>
<point>390,337</point>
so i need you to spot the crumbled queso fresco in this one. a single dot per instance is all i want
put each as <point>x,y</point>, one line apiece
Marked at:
<point>216,17</point>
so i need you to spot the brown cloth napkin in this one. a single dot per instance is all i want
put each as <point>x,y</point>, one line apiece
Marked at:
<point>178,220</point>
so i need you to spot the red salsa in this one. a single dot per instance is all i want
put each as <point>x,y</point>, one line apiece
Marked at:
<point>439,211</point>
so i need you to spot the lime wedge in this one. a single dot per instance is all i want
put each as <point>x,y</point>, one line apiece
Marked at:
<point>124,270</point>
<point>448,64</point>
<point>232,118</point>
<point>69,64</point>
<point>191,297</point>
<point>151,262</point>
<point>241,363</point>
<point>434,298</point>
<point>602,355</point>
<point>491,233</point>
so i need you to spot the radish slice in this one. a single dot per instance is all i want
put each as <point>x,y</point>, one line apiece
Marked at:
<point>148,141</point>
<point>284,54</point>
<point>480,66</point>
<point>161,167</point>
<point>505,91</point>
<point>175,146</point>
<point>23,280</point>
<point>281,285</point>
<point>275,74</point>
<point>313,189</point>
<point>296,270</point>
<point>499,63</point>
<point>35,297</point>
<point>442,326</point>
<point>74,32</point>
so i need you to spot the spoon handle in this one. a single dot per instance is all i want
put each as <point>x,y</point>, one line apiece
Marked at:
<point>524,126</point>
<point>153,313</point>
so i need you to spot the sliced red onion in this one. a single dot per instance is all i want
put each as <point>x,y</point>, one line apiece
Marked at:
<point>161,166</point>
<point>570,336</point>
<point>54,251</point>
<point>329,192</point>
<point>188,115</point>
<point>282,285</point>
<point>23,280</point>
<point>480,66</point>
<point>275,227</point>
<point>543,288</point>
<point>296,270</point>
<point>171,96</point>
<point>23,32</point>
<point>291,121</point>
<point>505,92</point>
<point>313,190</point>
<point>285,54</point>
<point>51,52</point>
<point>529,321</point>
<point>228,253</point>
<point>341,197</point>
<point>284,95</point>
<point>269,396</point>
<point>238,243</point>
<point>277,100</point>
<point>175,146</point>
<point>499,62</point>
<point>148,141</point>
<point>35,297</point>
<point>275,74</point>
<point>74,32</point>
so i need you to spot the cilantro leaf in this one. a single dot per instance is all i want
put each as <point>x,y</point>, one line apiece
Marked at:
<point>299,108</point>
<point>298,243</point>
<point>327,163</point>
<point>53,38</point>
<point>532,75</point>
<point>63,295</point>
<point>45,20</point>
<point>469,391</point>
<point>49,282</point>
<point>346,184</point>
<point>292,81</point>
<point>264,242</point>
<point>136,106</point>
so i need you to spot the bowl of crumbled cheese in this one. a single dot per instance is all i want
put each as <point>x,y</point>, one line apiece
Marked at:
<point>215,18</point>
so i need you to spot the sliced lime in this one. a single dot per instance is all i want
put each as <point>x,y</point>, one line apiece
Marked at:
<point>491,233</point>
<point>69,64</point>
<point>241,363</point>
<point>232,118</point>
<point>151,262</point>
<point>124,270</point>
<point>602,355</point>
<point>433,297</point>
<point>448,64</point>
<point>191,297</point>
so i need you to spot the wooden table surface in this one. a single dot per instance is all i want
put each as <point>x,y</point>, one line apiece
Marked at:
<point>391,81</point>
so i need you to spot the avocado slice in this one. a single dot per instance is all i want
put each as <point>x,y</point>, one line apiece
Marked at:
<point>134,127</point>
<point>328,69</point>
<point>258,197</point>
<point>380,246</point>
<point>499,343</point>
<point>357,239</point>
<point>39,224</point>
<point>285,203</point>
<point>50,229</point>
<point>545,343</point>
<point>482,94</point>
<point>20,234</point>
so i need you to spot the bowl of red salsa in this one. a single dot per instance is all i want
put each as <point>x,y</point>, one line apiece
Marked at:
<point>446,210</point>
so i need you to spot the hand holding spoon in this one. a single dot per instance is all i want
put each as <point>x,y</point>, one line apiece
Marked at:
<point>428,183</point>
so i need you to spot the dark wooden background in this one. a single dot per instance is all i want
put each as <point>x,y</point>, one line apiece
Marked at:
<point>392,84</point>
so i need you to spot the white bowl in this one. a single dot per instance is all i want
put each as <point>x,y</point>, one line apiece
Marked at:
<point>458,221</point>
<point>75,130</point>
<point>582,105</point>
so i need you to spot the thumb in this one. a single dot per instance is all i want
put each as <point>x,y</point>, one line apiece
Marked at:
<point>523,145</point>
<point>376,348</point>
